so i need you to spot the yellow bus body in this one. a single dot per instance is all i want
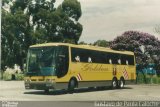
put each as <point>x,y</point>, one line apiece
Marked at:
<point>86,74</point>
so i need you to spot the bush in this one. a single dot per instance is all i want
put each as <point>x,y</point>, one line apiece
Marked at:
<point>158,80</point>
<point>149,79</point>
<point>8,76</point>
<point>140,78</point>
<point>19,76</point>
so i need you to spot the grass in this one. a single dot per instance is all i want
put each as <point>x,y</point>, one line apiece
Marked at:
<point>149,79</point>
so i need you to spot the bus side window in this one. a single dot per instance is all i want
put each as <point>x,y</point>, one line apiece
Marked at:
<point>110,61</point>
<point>109,56</point>
<point>77,58</point>
<point>75,55</point>
<point>130,59</point>
<point>126,62</point>
<point>114,58</point>
<point>119,61</point>
<point>63,61</point>
<point>124,59</point>
<point>90,59</point>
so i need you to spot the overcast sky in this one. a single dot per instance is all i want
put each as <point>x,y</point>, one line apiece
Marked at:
<point>106,19</point>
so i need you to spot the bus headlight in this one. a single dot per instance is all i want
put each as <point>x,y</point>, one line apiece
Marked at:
<point>27,80</point>
<point>27,83</point>
<point>49,80</point>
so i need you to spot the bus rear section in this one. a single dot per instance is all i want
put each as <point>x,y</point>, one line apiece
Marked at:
<point>94,66</point>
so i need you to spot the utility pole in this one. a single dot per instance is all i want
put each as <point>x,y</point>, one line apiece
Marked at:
<point>143,50</point>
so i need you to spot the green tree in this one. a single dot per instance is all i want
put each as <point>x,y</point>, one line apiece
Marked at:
<point>16,38</point>
<point>69,28</point>
<point>82,43</point>
<point>37,21</point>
<point>102,43</point>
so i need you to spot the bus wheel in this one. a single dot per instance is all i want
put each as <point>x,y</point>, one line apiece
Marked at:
<point>121,83</point>
<point>71,86</point>
<point>46,91</point>
<point>114,83</point>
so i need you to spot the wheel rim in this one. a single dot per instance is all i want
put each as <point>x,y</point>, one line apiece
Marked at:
<point>121,84</point>
<point>114,83</point>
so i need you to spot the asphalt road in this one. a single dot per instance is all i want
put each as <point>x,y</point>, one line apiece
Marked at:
<point>15,91</point>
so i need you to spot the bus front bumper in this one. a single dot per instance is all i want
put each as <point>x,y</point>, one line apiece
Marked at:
<point>40,85</point>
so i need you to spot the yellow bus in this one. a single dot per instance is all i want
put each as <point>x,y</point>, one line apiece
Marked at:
<point>69,66</point>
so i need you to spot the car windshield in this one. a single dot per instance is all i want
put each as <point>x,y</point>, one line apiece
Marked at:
<point>41,61</point>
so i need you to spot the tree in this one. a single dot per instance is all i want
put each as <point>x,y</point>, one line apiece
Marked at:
<point>13,31</point>
<point>132,40</point>
<point>36,21</point>
<point>82,43</point>
<point>102,43</point>
<point>70,28</point>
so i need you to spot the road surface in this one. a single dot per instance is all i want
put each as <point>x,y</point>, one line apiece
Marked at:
<point>15,91</point>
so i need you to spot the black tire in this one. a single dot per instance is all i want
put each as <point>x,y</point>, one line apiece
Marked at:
<point>46,91</point>
<point>114,83</point>
<point>121,83</point>
<point>91,88</point>
<point>71,86</point>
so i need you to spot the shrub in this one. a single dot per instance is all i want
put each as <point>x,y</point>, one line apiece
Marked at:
<point>7,76</point>
<point>158,80</point>
<point>149,79</point>
<point>140,78</point>
<point>155,80</point>
<point>19,76</point>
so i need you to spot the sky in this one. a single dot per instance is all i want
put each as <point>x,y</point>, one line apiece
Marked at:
<point>107,19</point>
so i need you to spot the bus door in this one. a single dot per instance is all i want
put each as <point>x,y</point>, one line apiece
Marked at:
<point>62,62</point>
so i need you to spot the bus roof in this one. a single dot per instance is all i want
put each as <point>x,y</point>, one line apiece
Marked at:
<point>84,47</point>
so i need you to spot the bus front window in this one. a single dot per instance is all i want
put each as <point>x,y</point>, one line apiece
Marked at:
<point>41,61</point>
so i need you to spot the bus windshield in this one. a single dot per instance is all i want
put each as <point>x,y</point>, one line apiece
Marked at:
<point>41,61</point>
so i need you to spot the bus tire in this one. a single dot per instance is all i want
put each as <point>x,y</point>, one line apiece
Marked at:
<point>121,83</point>
<point>71,85</point>
<point>114,83</point>
<point>46,91</point>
